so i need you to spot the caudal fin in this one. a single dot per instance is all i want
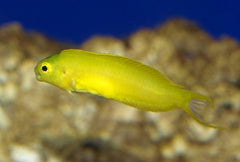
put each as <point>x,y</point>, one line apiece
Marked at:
<point>193,106</point>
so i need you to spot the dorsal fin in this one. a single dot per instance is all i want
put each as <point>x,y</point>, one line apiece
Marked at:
<point>142,67</point>
<point>153,72</point>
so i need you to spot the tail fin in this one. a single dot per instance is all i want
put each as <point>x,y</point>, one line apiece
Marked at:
<point>194,103</point>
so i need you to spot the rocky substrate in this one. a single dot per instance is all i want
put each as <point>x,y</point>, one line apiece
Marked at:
<point>40,122</point>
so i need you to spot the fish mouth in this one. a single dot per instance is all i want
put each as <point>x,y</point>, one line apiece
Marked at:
<point>38,76</point>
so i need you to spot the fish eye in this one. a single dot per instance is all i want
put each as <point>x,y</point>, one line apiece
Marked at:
<point>44,68</point>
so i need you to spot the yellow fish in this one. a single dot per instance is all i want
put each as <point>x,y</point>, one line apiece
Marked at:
<point>118,78</point>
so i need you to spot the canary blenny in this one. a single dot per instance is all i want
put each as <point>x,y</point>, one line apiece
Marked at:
<point>118,78</point>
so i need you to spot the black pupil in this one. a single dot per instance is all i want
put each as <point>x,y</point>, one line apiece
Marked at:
<point>44,68</point>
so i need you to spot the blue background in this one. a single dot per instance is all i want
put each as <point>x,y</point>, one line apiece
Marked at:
<point>76,20</point>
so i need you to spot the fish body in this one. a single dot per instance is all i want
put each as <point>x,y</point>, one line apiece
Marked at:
<point>119,78</point>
